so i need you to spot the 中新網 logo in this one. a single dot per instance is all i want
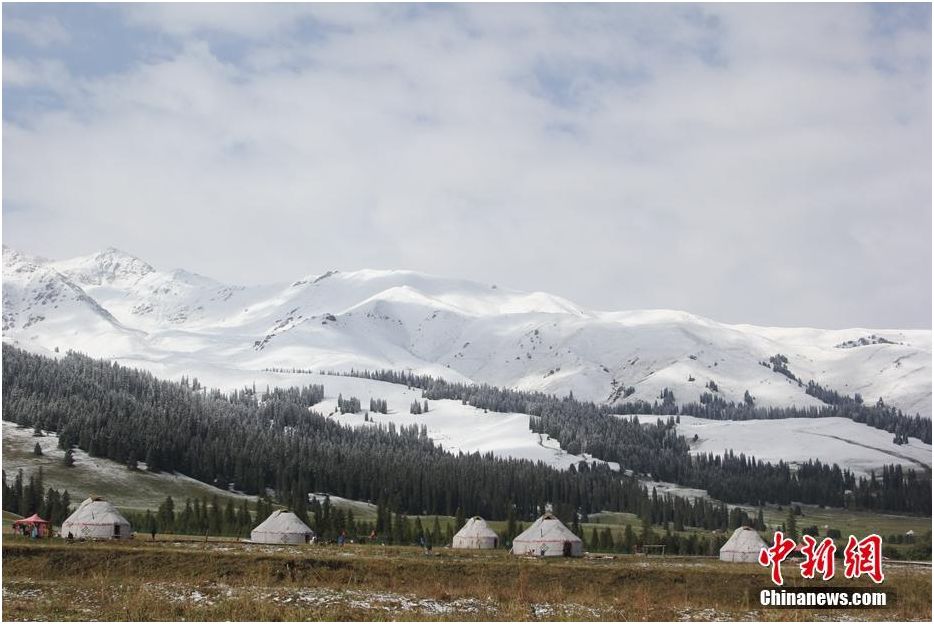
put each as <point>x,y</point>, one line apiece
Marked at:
<point>860,557</point>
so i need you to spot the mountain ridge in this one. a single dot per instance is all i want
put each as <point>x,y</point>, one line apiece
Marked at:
<point>455,328</point>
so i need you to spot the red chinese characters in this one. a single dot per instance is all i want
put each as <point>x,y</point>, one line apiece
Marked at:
<point>859,557</point>
<point>818,558</point>
<point>863,557</point>
<point>775,554</point>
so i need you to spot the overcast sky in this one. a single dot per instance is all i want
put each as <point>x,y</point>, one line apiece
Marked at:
<point>763,164</point>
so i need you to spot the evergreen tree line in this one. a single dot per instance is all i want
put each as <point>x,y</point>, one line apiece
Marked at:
<point>656,450</point>
<point>25,498</point>
<point>250,442</point>
<point>714,407</point>
<point>878,415</point>
<point>418,408</point>
<point>201,516</point>
<point>348,406</point>
<point>675,544</point>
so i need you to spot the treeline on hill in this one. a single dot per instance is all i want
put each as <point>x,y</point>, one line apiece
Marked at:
<point>27,497</point>
<point>657,450</point>
<point>252,441</point>
<point>714,407</point>
<point>879,415</point>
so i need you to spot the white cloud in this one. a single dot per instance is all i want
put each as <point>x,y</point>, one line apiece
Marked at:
<point>43,31</point>
<point>738,162</point>
<point>46,73</point>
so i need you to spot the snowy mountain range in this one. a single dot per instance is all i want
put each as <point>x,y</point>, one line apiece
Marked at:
<point>114,305</point>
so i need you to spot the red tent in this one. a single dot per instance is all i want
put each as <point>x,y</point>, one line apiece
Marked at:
<point>26,525</point>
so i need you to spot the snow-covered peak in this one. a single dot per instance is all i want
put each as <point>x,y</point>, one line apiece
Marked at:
<point>346,289</point>
<point>109,266</point>
<point>455,328</point>
<point>17,262</point>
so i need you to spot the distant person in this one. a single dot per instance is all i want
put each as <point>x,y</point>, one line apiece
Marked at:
<point>342,538</point>
<point>71,537</point>
<point>152,532</point>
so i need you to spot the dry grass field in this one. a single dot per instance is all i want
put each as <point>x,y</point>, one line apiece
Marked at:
<point>216,581</point>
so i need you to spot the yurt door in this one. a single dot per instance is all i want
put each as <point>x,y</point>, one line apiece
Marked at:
<point>116,529</point>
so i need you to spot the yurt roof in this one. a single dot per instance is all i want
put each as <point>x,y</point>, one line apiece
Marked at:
<point>96,511</point>
<point>547,529</point>
<point>476,527</point>
<point>744,539</point>
<point>283,522</point>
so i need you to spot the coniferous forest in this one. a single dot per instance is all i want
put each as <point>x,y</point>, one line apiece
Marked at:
<point>710,404</point>
<point>272,440</point>
<point>255,442</point>
<point>657,450</point>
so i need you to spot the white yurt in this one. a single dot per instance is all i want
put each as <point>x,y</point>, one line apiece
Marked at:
<point>281,527</point>
<point>548,537</point>
<point>96,518</point>
<point>476,534</point>
<point>743,546</point>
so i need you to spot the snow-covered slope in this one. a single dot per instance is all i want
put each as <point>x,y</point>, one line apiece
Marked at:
<point>40,303</point>
<point>860,448</point>
<point>115,305</point>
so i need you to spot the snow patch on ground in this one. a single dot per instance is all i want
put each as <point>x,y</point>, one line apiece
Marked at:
<point>859,447</point>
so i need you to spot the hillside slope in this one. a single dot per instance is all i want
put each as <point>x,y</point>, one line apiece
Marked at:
<point>114,305</point>
<point>135,490</point>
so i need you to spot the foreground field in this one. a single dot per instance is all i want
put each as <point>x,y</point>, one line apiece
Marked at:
<point>235,581</point>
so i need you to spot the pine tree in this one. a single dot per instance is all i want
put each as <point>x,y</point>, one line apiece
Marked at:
<point>152,464</point>
<point>166,515</point>
<point>510,523</point>
<point>629,539</point>
<point>791,525</point>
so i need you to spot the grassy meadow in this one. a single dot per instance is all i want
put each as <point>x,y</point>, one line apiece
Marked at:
<point>179,580</point>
